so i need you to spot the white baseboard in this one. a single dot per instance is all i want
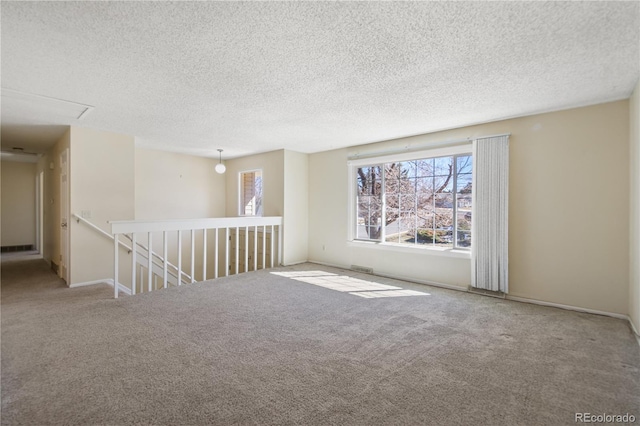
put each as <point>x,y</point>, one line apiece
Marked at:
<point>507,297</point>
<point>567,307</point>
<point>122,288</point>
<point>579,309</point>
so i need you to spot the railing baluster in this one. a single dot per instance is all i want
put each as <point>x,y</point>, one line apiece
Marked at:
<point>217,258</point>
<point>165,252</point>
<point>179,257</point>
<point>134,263</point>
<point>280,245</point>
<point>204,255</point>
<point>255,248</point>
<point>226,253</point>
<point>264,247</point>
<point>193,255</point>
<point>145,278</point>
<point>246,248</point>
<point>237,247</point>
<point>271,253</point>
<point>115,265</point>
<point>149,260</point>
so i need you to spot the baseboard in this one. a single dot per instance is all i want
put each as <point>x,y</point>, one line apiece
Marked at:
<point>507,297</point>
<point>635,330</point>
<point>567,307</point>
<point>124,289</point>
<point>294,263</point>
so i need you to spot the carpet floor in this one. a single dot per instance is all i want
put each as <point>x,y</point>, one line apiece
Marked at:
<point>310,345</point>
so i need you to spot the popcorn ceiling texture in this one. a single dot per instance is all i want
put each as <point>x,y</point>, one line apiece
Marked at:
<point>311,76</point>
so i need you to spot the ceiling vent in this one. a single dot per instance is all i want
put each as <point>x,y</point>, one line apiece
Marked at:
<point>18,103</point>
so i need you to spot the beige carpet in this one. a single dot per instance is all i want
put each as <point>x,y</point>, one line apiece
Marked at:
<point>261,348</point>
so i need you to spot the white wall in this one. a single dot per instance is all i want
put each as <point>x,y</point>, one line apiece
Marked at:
<point>634,197</point>
<point>177,186</point>
<point>102,183</point>
<point>285,193</point>
<point>18,203</point>
<point>569,209</point>
<point>272,165</point>
<point>296,208</point>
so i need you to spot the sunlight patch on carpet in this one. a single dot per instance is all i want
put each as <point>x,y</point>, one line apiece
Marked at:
<point>351,285</point>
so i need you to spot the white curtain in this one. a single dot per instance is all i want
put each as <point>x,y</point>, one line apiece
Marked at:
<point>490,244</point>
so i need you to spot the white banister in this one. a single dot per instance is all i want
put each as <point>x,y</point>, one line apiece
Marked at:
<point>180,257</point>
<point>204,255</point>
<point>237,247</point>
<point>165,253</point>
<point>217,258</point>
<point>134,260</point>
<point>193,255</point>
<point>158,271</point>
<point>226,253</point>
<point>255,248</point>
<point>115,266</point>
<point>272,256</point>
<point>264,246</point>
<point>246,249</point>
<point>149,260</point>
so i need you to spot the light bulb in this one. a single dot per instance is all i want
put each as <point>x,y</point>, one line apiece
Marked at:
<point>220,168</point>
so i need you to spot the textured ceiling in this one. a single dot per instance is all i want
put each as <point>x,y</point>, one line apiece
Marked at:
<point>310,76</point>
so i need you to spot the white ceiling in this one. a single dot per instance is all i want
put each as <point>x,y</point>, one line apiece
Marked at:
<point>307,76</point>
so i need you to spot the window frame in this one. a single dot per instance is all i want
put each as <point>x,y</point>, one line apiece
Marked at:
<point>380,160</point>
<point>241,207</point>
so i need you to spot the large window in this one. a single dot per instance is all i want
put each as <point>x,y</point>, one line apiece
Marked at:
<point>424,201</point>
<point>251,193</point>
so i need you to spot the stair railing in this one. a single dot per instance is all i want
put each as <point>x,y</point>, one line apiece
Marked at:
<point>142,252</point>
<point>226,252</point>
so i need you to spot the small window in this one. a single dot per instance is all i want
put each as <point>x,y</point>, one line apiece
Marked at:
<point>251,193</point>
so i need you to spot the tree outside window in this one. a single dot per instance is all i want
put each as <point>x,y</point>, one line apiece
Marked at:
<point>426,201</point>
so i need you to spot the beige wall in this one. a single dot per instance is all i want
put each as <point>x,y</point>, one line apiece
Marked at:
<point>296,207</point>
<point>101,182</point>
<point>634,247</point>
<point>18,203</point>
<point>272,165</point>
<point>177,186</point>
<point>285,193</point>
<point>569,209</point>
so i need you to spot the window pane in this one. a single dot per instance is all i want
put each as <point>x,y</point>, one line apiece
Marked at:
<point>408,169</point>
<point>407,227</point>
<point>393,228</point>
<point>465,164</point>
<point>369,203</point>
<point>464,201</point>
<point>251,193</point>
<point>444,219</point>
<point>407,186</point>
<point>424,167</point>
<point>443,166</point>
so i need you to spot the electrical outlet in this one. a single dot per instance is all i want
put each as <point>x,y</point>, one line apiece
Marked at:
<point>85,214</point>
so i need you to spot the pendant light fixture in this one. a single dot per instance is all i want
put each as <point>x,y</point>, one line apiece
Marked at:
<point>220,168</point>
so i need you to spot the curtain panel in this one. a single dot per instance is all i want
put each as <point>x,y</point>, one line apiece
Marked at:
<point>490,246</point>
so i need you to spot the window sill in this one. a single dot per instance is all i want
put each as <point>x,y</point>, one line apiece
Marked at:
<point>434,251</point>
